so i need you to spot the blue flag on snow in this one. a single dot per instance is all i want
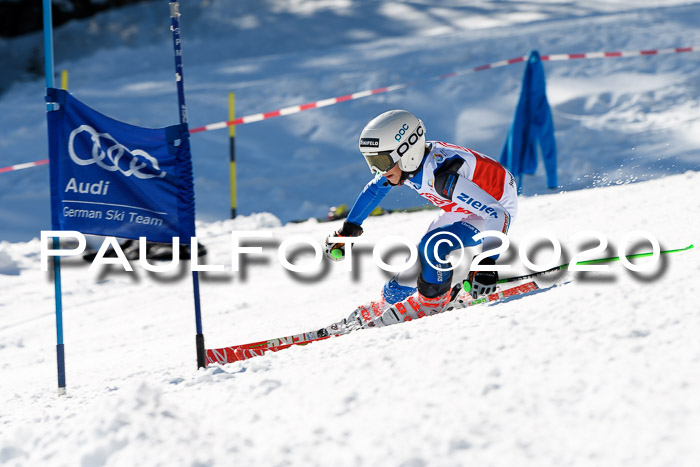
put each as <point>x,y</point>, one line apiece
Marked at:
<point>532,124</point>
<point>112,178</point>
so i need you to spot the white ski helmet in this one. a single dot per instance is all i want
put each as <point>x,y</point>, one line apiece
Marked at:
<point>396,136</point>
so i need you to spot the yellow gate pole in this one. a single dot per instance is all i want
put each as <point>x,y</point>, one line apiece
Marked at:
<point>232,151</point>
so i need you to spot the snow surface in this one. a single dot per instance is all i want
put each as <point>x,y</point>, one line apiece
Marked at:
<point>597,369</point>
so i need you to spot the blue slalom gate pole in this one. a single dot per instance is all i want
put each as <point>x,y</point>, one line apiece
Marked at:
<point>48,71</point>
<point>179,78</point>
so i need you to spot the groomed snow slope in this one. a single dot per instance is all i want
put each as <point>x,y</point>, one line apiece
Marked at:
<point>617,120</point>
<point>601,370</point>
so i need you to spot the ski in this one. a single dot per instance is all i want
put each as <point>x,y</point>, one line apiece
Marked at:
<point>511,292</point>
<point>255,349</point>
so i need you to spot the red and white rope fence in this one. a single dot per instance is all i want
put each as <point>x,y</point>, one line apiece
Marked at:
<point>359,95</point>
<point>26,165</point>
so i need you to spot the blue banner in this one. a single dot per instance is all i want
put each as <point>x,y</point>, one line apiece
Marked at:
<point>532,124</point>
<point>112,178</point>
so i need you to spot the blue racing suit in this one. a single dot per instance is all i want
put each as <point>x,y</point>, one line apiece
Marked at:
<point>474,192</point>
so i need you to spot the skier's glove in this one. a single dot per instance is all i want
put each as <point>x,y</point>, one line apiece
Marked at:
<point>336,251</point>
<point>483,282</point>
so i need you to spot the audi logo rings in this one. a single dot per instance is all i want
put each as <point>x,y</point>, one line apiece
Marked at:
<point>110,158</point>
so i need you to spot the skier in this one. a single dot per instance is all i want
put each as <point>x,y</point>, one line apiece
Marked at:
<point>474,191</point>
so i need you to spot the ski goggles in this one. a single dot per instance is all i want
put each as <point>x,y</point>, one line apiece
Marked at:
<point>382,161</point>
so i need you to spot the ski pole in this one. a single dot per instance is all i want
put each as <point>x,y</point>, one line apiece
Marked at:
<point>590,261</point>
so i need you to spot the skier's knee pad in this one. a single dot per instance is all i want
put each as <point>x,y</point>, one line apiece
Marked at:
<point>431,290</point>
<point>394,292</point>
